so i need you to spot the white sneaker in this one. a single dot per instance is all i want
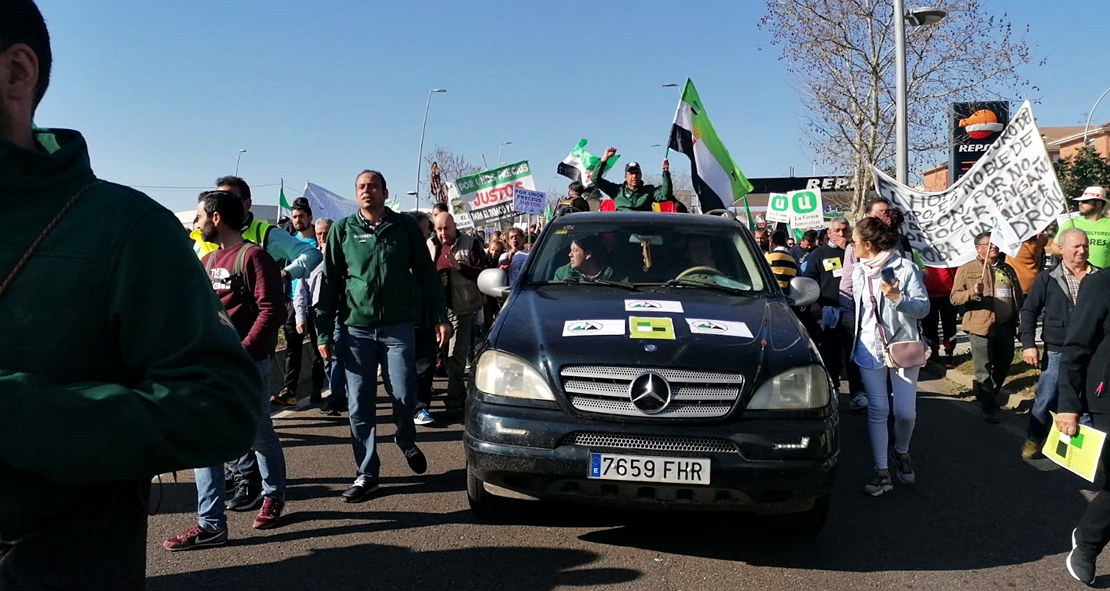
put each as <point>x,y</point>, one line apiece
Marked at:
<point>858,401</point>
<point>423,417</point>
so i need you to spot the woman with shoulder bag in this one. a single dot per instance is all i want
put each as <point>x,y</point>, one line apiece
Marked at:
<point>890,300</point>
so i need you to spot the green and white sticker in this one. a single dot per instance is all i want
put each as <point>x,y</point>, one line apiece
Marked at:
<point>652,306</point>
<point>724,328</point>
<point>593,328</point>
<point>640,327</point>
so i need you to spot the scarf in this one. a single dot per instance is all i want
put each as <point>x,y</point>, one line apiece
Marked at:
<point>873,266</point>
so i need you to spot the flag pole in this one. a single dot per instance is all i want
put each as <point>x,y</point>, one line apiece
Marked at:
<point>677,108</point>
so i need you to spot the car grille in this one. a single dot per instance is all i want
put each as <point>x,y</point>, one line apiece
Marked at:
<point>694,394</point>
<point>651,443</point>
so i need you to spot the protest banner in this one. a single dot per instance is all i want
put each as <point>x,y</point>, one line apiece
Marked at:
<point>488,195</point>
<point>1014,177</point>
<point>806,208</point>
<point>454,204</point>
<point>529,202</point>
<point>326,204</point>
<point>778,209</point>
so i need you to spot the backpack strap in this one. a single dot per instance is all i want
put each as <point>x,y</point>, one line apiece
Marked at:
<point>241,258</point>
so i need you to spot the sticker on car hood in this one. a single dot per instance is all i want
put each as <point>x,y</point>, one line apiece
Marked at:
<point>652,306</point>
<point>593,328</point>
<point>719,327</point>
<point>641,327</point>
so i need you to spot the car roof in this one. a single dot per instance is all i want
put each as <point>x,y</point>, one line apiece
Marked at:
<point>640,217</point>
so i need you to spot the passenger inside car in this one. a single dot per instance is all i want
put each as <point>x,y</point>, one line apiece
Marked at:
<point>587,260</point>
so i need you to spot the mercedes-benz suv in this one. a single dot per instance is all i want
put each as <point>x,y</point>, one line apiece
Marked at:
<point>651,360</point>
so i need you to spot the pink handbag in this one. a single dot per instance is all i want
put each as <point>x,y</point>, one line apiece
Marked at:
<point>901,354</point>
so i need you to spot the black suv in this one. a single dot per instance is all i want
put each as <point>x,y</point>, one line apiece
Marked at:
<point>650,359</point>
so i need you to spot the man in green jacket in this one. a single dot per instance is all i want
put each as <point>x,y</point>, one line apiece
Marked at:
<point>378,282</point>
<point>116,360</point>
<point>634,195</point>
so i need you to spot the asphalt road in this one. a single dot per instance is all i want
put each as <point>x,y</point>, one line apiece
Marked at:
<point>980,517</point>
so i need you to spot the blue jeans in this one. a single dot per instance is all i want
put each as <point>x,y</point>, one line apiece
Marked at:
<point>337,378</point>
<point>271,463</point>
<point>364,349</point>
<point>1045,397</point>
<point>882,385</point>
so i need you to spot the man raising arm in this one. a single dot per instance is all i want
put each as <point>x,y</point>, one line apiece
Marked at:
<point>634,195</point>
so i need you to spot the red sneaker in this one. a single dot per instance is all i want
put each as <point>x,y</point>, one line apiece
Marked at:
<point>269,514</point>
<point>196,537</point>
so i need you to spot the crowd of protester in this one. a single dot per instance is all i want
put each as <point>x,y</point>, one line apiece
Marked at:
<point>389,294</point>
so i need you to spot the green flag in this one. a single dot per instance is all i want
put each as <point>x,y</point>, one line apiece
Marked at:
<point>579,164</point>
<point>717,180</point>
<point>282,203</point>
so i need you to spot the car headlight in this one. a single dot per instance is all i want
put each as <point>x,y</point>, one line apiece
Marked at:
<point>501,374</point>
<point>800,388</point>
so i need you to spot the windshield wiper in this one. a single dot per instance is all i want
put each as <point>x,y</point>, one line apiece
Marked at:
<point>597,281</point>
<point>705,285</point>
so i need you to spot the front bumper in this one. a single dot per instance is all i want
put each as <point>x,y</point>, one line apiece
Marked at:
<point>532,453</point>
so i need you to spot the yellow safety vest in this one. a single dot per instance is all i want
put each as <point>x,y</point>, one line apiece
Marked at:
<point>256,232</point>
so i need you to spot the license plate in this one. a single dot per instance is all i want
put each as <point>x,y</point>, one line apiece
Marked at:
<point>649,469</point>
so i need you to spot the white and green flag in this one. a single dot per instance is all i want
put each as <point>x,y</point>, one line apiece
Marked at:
<point>579,165</point>
<point>717,180</point>
<point>488,195</point>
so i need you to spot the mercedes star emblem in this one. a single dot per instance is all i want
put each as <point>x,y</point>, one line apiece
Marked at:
<point>650,393</point>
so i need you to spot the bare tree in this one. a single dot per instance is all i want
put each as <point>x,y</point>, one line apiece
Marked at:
<point>841,56</point>
<point>452,165</point>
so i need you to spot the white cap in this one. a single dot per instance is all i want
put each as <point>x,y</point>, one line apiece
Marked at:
<point>1092,193</point>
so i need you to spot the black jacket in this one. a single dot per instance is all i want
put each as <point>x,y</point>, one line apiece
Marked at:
<point>1085,362</point>
<point>1049,293</point>
<point>827,275</point>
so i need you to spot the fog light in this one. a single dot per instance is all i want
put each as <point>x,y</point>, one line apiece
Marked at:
<point>802,444</point>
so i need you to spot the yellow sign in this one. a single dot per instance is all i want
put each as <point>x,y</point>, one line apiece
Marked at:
<point>1078,453</point>
<point>642,327</point>
<point>831,264</point>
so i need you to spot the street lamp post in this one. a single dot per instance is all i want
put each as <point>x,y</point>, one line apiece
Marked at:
<point>1087,127</point>
<point>916,17</point>
<point>237,159</point>
<point>423,127</point>
<point>503,144</point>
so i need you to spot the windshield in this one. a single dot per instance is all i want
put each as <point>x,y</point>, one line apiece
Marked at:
<point>647,254</point>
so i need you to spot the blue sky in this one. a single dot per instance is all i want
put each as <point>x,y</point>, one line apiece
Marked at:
<point>167,93</point>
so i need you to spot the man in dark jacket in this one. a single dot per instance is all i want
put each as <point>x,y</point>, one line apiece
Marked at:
<point>825,265</point>
<point>1052,293</point>
<point>134,373</point>
<point>375,264</point>
<point>634,195</point>
<point>459,259</point>
<point>1084,371</point>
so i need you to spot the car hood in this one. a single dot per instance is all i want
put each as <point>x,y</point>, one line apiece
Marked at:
<point>534,326</point>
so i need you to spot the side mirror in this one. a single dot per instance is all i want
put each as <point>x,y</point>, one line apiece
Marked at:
<point>803,291</point>
<point>495,283</point>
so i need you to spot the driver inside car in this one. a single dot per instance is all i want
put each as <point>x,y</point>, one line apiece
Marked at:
<point>699,252</point>
<point>586,261</point>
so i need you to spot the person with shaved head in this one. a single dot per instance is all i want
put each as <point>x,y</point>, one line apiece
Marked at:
<point>459,259</point>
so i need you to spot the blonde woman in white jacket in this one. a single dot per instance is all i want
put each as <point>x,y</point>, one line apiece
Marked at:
<point>890,300</point>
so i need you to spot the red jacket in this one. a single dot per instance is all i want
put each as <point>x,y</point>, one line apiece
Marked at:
<point>258,330</point>
<point>938,282</point>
